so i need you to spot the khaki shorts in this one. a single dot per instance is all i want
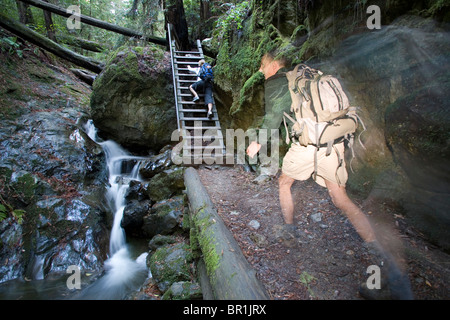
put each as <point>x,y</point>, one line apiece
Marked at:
<point>298,163</point>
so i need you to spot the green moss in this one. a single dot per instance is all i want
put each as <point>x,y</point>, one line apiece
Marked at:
<point>170,263</point>
<point>207,243</point>
<point>25,186</point>
<point>255,82</point>
<point>5,174</point>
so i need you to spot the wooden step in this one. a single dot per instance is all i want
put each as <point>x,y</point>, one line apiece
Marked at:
<point>193,110</point>
<point>190,95</point>
<point>214,118</point>
<point>186,62</point>
<point>188,52</point>
<point>186,75</point>
<point>207,138</point>
<point>202,128</point>
<point>188,57</point>
<point>198,102</point>
<point>191,81</point>
<point>205,147</point>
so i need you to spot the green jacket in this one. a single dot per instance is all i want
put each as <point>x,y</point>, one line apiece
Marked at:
<point>277,100</point>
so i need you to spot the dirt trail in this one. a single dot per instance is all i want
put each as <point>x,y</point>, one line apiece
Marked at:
<point>329,260</point>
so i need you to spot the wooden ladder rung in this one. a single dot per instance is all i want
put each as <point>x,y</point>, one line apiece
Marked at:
<point>214,118</point>
<point>202,128</point>
<point>208,138</point>
<point>187,57</point>
<point>188,52</point>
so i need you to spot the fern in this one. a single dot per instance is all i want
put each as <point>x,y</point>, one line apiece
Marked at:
<point>18,214</point>
<point>3,213</point>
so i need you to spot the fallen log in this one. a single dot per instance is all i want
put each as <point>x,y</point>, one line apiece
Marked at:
<point>81,43</point>
<point>95,22</point>
<point>36,38</point>
<point>84,76</point>
<point>230,275</point>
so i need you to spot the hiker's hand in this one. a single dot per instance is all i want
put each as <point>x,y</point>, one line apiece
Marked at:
<point>253,149</point>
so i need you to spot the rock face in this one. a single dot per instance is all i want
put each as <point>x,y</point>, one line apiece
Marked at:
<point>132,101</point>
<point>399,77</point>
<point>51,176</point>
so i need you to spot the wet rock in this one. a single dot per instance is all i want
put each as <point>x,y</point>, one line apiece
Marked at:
<point>136,191</point>
<point>159,241</point>
<point>183,290</point>
<point>165,217</point>
<point>166,184</point>
<point>133,216</point>
<point>170,264</point>
<point>156,164</point>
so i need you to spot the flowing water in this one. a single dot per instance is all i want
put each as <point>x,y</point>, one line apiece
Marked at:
<point>123,274</point>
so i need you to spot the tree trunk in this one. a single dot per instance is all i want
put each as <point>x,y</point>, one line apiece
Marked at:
<point>49,25</point>
<point>230,275</point>
<point>49,45</point>
<point>96,23</point>
<point>25,15</point>
<point>205,14</point>
<point>84,76</point>
<point>175,15</point>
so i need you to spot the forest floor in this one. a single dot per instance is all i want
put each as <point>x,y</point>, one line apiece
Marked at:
<point>328,260</point>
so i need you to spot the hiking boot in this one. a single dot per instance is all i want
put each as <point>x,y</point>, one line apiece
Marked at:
<point>196,98</point>
<point>262,178</point>
<point>395,284</point>
<point>210,114</point>
<point>286,233</point>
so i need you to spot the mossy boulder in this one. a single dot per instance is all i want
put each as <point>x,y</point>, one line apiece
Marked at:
<point>183,290</point>
<point>170,264</point>
<point>166,184</point>
<point>132,100</point>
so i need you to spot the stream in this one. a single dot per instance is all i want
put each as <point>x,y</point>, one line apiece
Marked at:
<point>125,269</point>
<point>122,273</point>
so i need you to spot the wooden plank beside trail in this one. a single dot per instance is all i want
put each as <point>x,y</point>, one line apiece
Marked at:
<point>230,275</point>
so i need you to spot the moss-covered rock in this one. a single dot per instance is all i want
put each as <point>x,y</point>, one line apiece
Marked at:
<point>183,290</point>
<point>132,99</point>
<point>170,264</point>
<point>166,184</point>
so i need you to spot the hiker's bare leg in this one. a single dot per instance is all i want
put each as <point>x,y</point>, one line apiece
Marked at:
<point>193,91</point>
<point>357,218</point>
<point>210,107</point>
<point>287,204</point>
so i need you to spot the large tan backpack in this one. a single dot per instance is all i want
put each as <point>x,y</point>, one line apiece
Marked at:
<point>323,115</point>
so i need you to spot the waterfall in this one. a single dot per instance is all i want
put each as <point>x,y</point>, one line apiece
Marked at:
<point>123,274</point>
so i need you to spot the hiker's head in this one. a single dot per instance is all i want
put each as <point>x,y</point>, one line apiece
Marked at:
<point>271,63</point>
<point>201,62</point>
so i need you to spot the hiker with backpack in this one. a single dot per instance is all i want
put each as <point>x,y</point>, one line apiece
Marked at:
<point>321,120</point>
<point>204,84</point>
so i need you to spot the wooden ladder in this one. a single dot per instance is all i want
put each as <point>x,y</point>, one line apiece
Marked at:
<point>202,137</point>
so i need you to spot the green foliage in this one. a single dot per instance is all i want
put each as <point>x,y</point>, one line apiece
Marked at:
<point>10,45</point>
<point>17,214</point>
<point>232,19</point>
<point>306,279</point>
